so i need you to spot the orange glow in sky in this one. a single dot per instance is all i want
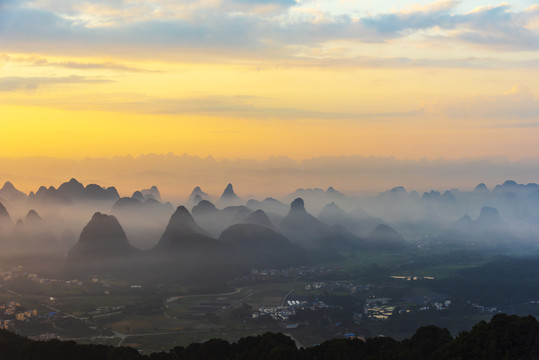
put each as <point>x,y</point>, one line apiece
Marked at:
<point>250,80</point>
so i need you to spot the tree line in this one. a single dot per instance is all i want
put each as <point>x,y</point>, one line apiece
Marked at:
<point>504,337</point>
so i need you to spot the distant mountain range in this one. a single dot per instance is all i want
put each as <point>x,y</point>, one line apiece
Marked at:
<point>142,230</point>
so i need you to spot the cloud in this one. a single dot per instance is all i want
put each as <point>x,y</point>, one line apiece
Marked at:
<point>408,62</point>
<point>515,105</point>
<point>494,27</point>
<point>40,61</point>
<point>238,107</point>
<point>249,28</point>
<point>499,28</point>
<point>14,83</point>
<point>245,107</point>
<point>400,23</point>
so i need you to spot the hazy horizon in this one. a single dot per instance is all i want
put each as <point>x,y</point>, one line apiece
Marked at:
<point>176,176</point>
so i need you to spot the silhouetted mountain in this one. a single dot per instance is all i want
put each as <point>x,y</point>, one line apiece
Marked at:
<point>317,198</point>
<point>206,214</point>
<point>449,198</point>
<point>306,230</point>
<point>433,195</point>
<point>396,195</point>
<point>137,195</point>
<point>215,220</point>
<point>103,237</point>
<point>126,202</point>
<point>274,206</point>
<point>33,235</point>
<point>111,193</point>
<point>136,206</point>
<point>184,234</point>
<point>32,217</point>
<point>10,193</point>
<point>4,215</point>
<point>75,191</point>
<point>488,229</point>
<point>197,191</point>
<point>197,199</point>
<point>489,221</point>
<point>102,248</point>
<point>153,204</point>
<point>397,190</point>
<point>229,191</point>
<point>204,207</point>
<point>481,188</point>
<point>18,227</point>
<point>229,198</point>
<point>50,196</point>
<point>302,227</point>
<point>97,193</point>
<point>5,223</point>
<point>358,222</point>
<point>234,214</point>
<point>152,192</point>
<point>186,254</point>
<point>489,216</point>
<point>72,189</point>
<point>143,220</point>
<point>509,185</point>
<point>259,217</point>
<point>332,211</point>
<point>465,223</point>
<point>385,237</point>
<point>331,192</point>
<point>251,245</point>
<point>269,205</point>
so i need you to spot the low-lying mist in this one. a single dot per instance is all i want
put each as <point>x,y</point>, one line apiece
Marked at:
<point>97,229</point>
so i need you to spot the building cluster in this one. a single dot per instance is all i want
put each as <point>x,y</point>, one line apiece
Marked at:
<point>297,273</point>
<point>379,308</point>
<point>411,277</point>
<point>18,273</point>
<point>289,308</point>
<point>482,308</point>
<point>315,286</point>
<point>438,306</point>
<point>11,312</point>
<point>383,308</point>
<point>107,310</point>
<point>346,286</point>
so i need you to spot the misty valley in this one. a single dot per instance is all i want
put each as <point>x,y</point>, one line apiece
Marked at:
<point>81,262</point>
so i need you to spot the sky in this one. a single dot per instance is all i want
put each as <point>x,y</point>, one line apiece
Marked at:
<point>260,78</point>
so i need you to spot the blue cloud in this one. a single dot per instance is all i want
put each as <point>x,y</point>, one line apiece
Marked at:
<point>268,2</point>
<point>215,30</point>
<point>392,25</point>
<point>14,83</point>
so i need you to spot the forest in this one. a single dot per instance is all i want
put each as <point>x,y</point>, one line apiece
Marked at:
<point>503,337</point>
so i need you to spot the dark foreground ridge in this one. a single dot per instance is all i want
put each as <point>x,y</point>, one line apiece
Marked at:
<point>504,337</point>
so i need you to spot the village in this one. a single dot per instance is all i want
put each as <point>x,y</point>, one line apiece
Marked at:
<point>13,311</point>
<point>18,273</point>
<point>297,273</point>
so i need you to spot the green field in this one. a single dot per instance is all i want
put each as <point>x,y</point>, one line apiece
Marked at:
<point>159,317</point>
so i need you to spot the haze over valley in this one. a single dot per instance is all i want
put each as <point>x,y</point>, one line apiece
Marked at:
<point>271,258</point>
<point>269,179</point>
